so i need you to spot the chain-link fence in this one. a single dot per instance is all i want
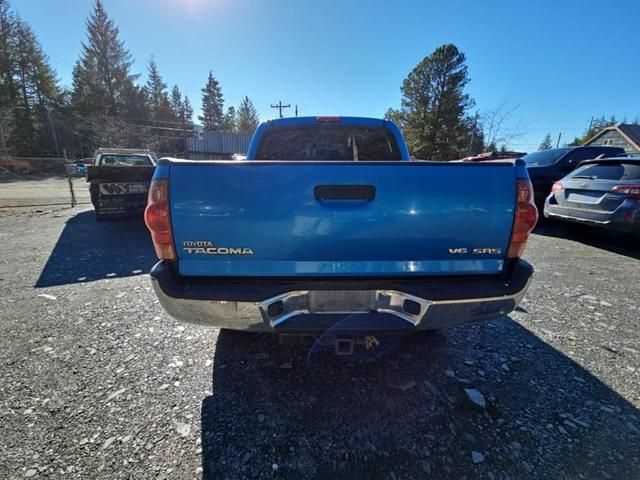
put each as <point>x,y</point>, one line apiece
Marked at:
<point>40,182</point>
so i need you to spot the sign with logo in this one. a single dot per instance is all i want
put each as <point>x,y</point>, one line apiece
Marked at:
<point>123,188</point>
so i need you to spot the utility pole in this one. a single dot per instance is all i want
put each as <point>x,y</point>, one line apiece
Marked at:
<point>559,137</point>
<point>296,109</point>
<point>280,106</point>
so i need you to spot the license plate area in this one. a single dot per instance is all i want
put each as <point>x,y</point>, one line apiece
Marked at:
<point>342,301</point>
<point>584,197</point>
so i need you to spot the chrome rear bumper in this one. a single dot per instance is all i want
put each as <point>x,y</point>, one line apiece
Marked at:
<point>281,312</point>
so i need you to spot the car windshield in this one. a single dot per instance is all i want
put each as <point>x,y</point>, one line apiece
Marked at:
<point>328,142</point>
<point>125,160</point>
<point>545,157</point>
<point>609,171</point>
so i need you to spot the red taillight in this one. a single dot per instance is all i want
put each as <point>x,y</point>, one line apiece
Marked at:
<point>631,191</point>
<point>328,119</point>
<point>557,187</point>
<point>524,220</point>
<point>158,221</point>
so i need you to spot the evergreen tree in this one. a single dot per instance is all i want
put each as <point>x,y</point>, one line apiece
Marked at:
<point>7,56</point>
<point>212,105</point>
<point>247,116</point>
<point>157,94</point>
<point>136,111</point>
<point>595,125</point>
<point>229,122</point>
<point>176,104</point>
<point>187,119</point>
<point>102,86</point>
<point>7,124</point>
<point>29,93</point>
<point>434,105</point>
<point>102,73</point>
<point>473,126</point>
<point>393,116</point>
<point>546,143</point>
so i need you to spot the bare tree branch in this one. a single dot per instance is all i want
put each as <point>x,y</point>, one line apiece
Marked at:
<point>500,125</point>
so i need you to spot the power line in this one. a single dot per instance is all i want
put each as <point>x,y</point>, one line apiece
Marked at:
<point>167,129</point>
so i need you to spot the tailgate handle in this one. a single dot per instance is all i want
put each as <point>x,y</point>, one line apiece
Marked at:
<point>344,192</point>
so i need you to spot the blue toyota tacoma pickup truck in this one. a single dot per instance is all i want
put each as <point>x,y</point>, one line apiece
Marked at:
<point>328,222</point>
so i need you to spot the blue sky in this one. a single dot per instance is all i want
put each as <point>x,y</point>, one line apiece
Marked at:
<point>556,63</point>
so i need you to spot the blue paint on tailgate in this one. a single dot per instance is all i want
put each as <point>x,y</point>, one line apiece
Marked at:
<point>420,211</point>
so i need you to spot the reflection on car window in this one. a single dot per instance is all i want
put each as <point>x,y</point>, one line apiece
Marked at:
<point>330,142</point>
<point>609,171</point>
<point>545,157</point>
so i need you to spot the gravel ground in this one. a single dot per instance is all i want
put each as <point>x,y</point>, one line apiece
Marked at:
<point>97,382</point>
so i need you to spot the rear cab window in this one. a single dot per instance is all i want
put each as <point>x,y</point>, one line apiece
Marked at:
<point>327,142</point>
<point>119,160</point>
<point>609,171</point>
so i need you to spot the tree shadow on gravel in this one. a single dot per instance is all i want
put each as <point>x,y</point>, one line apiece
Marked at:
<point>88,250</point>
<point>610,240</point>
<point>276,414</point>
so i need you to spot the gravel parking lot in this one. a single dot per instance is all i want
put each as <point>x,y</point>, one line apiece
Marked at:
<point>97,382</point>
<point>17,191</point>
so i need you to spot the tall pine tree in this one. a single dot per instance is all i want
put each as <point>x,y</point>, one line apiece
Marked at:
<point>434,106</point>
<point>29,94</point>
<point>38,93</point>
<point>7,86</point>
<point>102,84</point>
<point>7,55</point>
<point>187,119</point>
<point>212,105</point>
<point>247,116</point>
<point>102,73</point>
<point>229,122</point>
<point>176,104</point>
<point>157,94</point>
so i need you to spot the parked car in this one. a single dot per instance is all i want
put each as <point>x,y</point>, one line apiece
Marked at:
<point>78,168</point>
<point>547,166</point>
<point>329,225</point>
<point>119,181</point>
<point>603,192</point>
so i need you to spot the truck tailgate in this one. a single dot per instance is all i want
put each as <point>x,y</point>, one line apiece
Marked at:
<point>340,219</point>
